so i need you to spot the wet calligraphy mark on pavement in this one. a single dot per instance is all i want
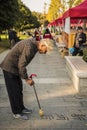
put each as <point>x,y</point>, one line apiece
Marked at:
<point>57,116</point>
<point>61,117</point>
<point>79,116</point>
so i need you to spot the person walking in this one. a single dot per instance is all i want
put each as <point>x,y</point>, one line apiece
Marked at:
<point>47,34</point>
<point>37,35</point>
<point>14,70</point>
<point>13,39</point>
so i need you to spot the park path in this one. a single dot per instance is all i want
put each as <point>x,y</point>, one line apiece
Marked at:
<point>64,109</point>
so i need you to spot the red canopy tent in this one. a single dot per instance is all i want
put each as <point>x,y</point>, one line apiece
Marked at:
<point>56,22</point>
<point>59,20</point>
<point>79,11</point>
<point>53,23</point>
<point>76,13</point>
<point>72,21</point>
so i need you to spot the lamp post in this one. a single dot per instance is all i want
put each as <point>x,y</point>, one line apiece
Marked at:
<point>45,4</point>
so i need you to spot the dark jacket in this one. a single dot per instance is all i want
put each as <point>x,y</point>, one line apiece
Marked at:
<point>19,57</point>
<point>13,35</point>
<point>83,37</point>
<point>47,34</point>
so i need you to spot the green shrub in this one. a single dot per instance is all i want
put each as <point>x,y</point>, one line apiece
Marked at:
<point>85,54</point>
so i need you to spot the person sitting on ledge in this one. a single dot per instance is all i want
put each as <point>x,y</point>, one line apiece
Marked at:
<point>80,38</point>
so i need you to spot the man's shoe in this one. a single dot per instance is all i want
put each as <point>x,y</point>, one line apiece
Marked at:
<point>21,116</point>
<point>26,111</point>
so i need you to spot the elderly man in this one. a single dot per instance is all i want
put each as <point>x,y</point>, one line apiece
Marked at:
<point>14,69</point>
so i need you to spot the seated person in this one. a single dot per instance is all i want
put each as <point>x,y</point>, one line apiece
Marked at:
<point>80,38</point>
<point>47,34</point>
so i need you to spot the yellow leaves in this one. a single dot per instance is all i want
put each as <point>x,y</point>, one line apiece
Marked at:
<point>58,7</point>
<point>53,9</point>
<point>73,3</point>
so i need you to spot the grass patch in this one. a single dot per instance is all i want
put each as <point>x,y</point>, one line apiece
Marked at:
<point>22,37</point>
<point>4,43</point>
<point>2,49</point>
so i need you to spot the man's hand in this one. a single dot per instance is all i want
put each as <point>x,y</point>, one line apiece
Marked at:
<point>80,39</point>
<point>29,81</point>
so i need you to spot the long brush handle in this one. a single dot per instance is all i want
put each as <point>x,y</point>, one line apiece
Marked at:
<point>37,97</point>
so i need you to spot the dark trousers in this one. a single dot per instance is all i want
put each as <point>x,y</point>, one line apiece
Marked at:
<point>14,88</point>
<point>77,51</point>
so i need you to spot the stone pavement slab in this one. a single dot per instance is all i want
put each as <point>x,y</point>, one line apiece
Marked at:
<point>63,108</point>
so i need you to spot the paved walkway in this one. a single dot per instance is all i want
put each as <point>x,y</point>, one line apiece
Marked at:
<point>63,108</point>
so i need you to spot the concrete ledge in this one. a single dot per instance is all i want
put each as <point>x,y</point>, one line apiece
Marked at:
<point>77,69</point>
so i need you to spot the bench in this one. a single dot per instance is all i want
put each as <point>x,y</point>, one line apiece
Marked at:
<point>77,69</point>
